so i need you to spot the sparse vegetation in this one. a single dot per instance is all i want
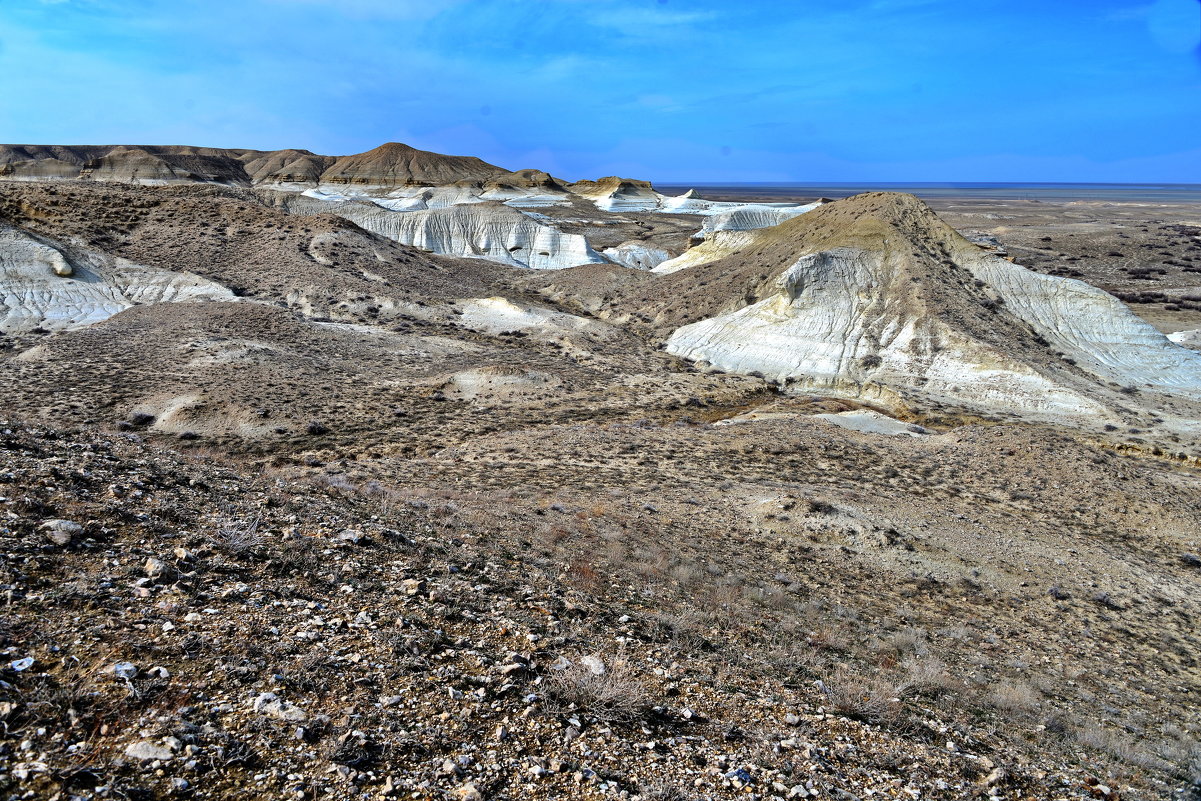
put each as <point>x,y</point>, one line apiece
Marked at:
<point>334,563</point>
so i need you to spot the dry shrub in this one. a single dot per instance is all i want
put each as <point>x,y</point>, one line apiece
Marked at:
<point>1119,747</point>
<point>683,628</point>
<point>1014,697</point>
<point>615,695</point>
<point>930,677</point>
<point>870,698</point>
<point>1183,754</point>
<point>829,637</point>
<point>909,640</point>
<point>583,575</point>
<point>237,536</point>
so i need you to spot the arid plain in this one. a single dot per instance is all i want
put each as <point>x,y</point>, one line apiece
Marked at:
<point>404,475</point>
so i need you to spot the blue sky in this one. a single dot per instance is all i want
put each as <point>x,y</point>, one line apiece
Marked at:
<point>704,90</point>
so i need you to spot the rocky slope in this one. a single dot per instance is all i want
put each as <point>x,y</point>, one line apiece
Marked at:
<point>387,166</point>
<point>375,522</point>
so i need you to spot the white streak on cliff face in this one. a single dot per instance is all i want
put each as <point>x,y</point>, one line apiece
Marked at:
<point>479,230</point>
<point>498,315</point>
<point>752,216</point>
<point>834,324</point>
<point>1093,328</point>
<point>718,246</point>
<point>636,255</point>
<point>41,288</point>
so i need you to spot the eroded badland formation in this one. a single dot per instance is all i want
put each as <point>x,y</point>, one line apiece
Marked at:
<point>404,475</point>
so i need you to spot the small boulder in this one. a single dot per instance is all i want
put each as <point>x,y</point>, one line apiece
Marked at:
<point>271,705</point>
<point>155,568</point>
<point>61,532</point>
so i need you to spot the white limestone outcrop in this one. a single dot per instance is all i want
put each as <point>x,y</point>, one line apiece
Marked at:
<point>42,288</point>
<point>832,325</point>
<point>846,320</point>
<point>624,195</point>
<point>618,194</point>
<point>867,421</point>
<point>486,230</point>
<point>718,246</point>
<point>1093,328</point>
<point>636,255</point>
<point>498,315</point>
<point>750,216</point>
<point>1189,339</point>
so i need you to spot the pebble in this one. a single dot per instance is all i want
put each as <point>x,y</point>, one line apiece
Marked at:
<point>145,751</point>
<point>270,704</point>
<point>469,792</point>
<point>123,670</point>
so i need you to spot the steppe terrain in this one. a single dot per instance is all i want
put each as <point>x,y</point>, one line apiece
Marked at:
<point>401,475</point>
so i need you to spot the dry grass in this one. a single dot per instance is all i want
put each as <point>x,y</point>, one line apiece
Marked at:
<point>617,694</point>
<point>1018,697</point>
<point>238,536</point>
<point>930,677</point>
<point>870,698</point>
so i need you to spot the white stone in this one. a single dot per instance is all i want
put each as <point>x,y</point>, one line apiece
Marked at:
<point>61,532</point>
<point>146,751</point>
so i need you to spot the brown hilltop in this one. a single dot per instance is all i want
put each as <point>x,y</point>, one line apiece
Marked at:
<point>286,166</point>
<point>395,164</point>
<point>391,164</point>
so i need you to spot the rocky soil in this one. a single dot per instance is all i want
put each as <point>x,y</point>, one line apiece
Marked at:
<point>177,625</point>
<point>389,524</point>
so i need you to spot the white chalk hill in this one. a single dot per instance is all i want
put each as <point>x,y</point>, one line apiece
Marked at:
<point>41,287</point>
<point>875,296</point>
<point>485,230</point>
